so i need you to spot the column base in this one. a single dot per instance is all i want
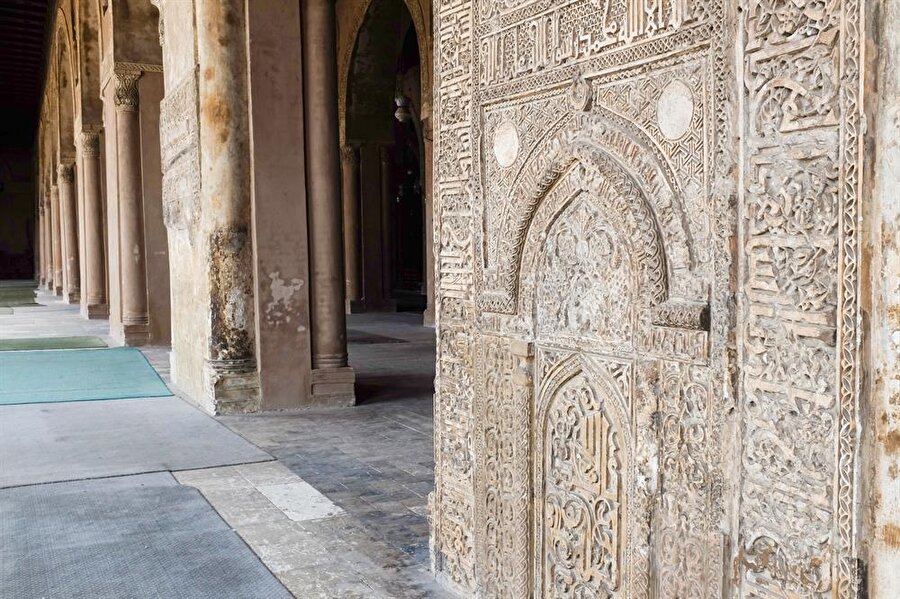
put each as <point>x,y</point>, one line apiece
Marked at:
<point>428,317</point>
<point>135,335</point>
<point>333,387</point>
<point>362,306</point>
<point>73,297</point>
<point>231,386</point>
<point>58,291</point>
<point>97,312</point>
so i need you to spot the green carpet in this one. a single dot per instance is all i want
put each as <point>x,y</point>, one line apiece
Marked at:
<point>77,375</point>
<point>50,343</point>
<point>16,295</point>
<point>5,311</point>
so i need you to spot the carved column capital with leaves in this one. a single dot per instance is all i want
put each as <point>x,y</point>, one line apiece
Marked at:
<point>65,172</point>
<point>90,143</point>
<point>126,96</point>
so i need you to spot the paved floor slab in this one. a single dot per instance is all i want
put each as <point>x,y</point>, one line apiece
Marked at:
<point>316,549</point>
<point>44,443</point>
<point>134,536</point>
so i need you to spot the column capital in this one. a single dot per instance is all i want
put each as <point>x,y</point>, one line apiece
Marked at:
<point>65,172</point>
<point>126,95</point>
<point>90,143</point>
<point>350,153</point>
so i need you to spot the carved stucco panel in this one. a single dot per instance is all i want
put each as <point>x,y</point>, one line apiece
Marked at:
<point>180,153</point>
<point>799,292</point>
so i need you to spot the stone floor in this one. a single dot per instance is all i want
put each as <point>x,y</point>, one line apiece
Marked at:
<point>375,462</point>
<point>342,510</point>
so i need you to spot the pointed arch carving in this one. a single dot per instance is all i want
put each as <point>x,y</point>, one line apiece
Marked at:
<point>599,151</point>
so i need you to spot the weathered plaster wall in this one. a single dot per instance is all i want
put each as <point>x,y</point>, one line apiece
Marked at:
<point>155,236</point>
<point>110,150</point>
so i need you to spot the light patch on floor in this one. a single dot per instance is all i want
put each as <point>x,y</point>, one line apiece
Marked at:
<point>241,492</point>
<point>265,504</point>
<point>299,501</point>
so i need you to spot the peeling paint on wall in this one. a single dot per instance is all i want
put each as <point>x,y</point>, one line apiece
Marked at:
<point>283,307</point>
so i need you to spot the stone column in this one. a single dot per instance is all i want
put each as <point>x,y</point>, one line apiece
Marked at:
<point>42,239</point>
<point>332,380</point>
<point>56,236</point>
<point>133,267</point>
<point>428,202</point>
<point>69,202</point>
<point>48,244</point>
<point>352,254</point>
<point>387,223</point>
<point>230,378</point>
<point>95,253</point>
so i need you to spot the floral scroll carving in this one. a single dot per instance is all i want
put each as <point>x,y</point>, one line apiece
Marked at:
<point>583,529</point>
<point>585,290</point>
<point>586,539</point>
<point>799,244</point>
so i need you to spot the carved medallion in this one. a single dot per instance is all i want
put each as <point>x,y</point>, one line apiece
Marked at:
<point>675,110</point>
<point>506,144</point>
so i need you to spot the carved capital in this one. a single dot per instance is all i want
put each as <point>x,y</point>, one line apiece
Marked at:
<point>127,97</point>
<point>65,172</point>
<point>90,143</point>
<point>349,154</point>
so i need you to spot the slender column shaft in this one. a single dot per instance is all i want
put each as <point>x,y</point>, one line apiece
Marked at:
<point>48,243</point>
<point>42,239</point>
<point>68,202</point>
<point>387,223</point>
<point>95,253</point>
<point>350,190</point>
<point>427,198</point>
<point>132,257</point>
<point>56,236</point>
<point>329,338</point>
